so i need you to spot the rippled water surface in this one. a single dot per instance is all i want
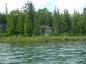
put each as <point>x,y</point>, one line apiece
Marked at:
<point>43,53</point>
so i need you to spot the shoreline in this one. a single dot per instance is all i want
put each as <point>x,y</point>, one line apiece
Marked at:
<point>36,39</point>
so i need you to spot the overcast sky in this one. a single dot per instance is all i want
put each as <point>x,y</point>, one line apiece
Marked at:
<point>50,4</point>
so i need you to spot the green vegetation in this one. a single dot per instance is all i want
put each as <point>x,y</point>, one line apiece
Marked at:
<point>27,24</point>
<point>38,39</point>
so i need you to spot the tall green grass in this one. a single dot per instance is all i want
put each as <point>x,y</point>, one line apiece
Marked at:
<point>34,39</point>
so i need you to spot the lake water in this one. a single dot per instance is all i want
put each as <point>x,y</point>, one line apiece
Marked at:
<point>43,53</point>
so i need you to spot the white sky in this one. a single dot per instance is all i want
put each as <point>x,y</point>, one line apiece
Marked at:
<point>50,4</point>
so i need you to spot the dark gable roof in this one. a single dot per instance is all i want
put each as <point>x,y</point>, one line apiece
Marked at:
<point>45,27</point>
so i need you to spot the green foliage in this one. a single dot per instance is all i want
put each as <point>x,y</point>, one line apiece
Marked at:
<point>67,22</point>
<point>29,9</point>
<point>20,24</point>
<point>28,22</point>
<point>84,22</point>
<point>3,19</point>
<point>37,39</point>
<point>76,23</point>
<point>56,24</point>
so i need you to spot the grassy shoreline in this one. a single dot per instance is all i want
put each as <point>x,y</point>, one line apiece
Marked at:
<point>18,39</point>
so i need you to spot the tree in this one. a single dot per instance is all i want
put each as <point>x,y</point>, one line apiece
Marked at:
<point>12,19</point>
<point>20,23</point>
<point>29,21</point>
<point>27,25</point>
<point>44,16</point>
<point>3,22</point>
<point>37,25</point>
<point>84,22</point>
<point>3,19</point>
<point>56,25</point>
<point>29,9</point>
<point>76,23</point>
<point>67,22</point>
<point>10,24</point>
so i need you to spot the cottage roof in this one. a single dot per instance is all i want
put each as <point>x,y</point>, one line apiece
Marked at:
<point>46,27</point>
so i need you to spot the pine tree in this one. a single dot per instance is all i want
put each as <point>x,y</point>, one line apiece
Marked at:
<point>67,22</point>
<point>56,25</point>
<point>84,22</point>
<point>76,23</point>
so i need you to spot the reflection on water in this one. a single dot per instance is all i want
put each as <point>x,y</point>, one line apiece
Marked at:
<point>50,53</point>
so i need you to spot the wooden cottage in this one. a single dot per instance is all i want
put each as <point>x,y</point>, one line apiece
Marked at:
<point>45,29</point>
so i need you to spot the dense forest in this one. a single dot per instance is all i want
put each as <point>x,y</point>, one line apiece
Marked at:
<point>28,21</point>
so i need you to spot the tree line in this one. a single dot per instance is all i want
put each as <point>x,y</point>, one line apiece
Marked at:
<point>28,21</point>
